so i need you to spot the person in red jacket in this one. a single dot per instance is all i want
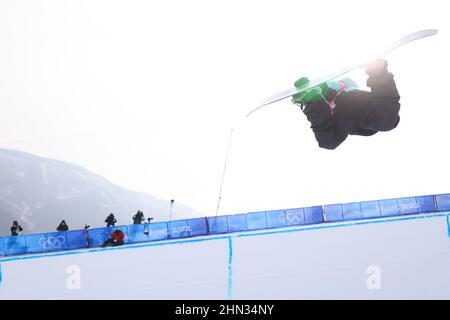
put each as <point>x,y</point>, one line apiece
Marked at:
<point>116,239</point>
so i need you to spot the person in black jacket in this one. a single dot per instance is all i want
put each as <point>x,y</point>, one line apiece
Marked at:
<point>338,111</point>
<point>62,226</point>
<point>16,229</point>
<point>110,221</point>
<point>138,217</point>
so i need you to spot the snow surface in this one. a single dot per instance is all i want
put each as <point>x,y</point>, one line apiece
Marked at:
<point>331,261</point>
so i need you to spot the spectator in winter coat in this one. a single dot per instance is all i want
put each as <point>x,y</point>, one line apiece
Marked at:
<point>110,221</point>
<point>138,217</point>
<point>16,229</point>
<point>116,239</point>
<point>62,226</point>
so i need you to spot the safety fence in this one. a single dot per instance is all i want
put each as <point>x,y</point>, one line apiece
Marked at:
<point>78,239</point>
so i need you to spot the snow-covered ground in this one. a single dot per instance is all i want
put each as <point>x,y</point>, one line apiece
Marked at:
<point>387,258</point>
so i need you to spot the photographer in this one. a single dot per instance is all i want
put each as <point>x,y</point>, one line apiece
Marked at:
<point>16,229</point>
<point>62,226</point>
<point>110,221</point>
<point>138,217</point>
<point>116,239</point>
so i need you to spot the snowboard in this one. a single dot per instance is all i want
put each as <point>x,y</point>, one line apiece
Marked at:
<point>288,93</point>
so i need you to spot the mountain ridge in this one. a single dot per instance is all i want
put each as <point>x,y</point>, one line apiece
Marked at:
<point>40,192</point>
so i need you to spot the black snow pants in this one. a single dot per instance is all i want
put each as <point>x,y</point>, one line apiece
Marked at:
<point>112,242</point>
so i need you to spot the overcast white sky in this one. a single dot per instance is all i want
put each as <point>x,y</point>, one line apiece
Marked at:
<point>145,93</point>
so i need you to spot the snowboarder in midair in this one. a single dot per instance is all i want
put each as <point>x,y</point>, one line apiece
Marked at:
<point>337,109</point>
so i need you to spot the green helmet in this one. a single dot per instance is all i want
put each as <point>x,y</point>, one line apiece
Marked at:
<point>320,91</point>
<point>315,93</point>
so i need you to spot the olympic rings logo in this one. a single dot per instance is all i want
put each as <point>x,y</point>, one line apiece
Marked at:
<point>52,242</point>
<point>292,217</point>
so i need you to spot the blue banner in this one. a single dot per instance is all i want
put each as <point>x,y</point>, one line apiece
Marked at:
<point>2,246</point>
<point>314,215</point>
<point>427,204</point>
<point>197,227</point>
<point>389,207</point>
<point>46,242</point>
<point>370,209</point>
<point>443,202</point>
<point>256,220</point>
<point>136,233</point>
<point>298,217</point>
<point>156,231</point>
<point>352,211</point>
<point>77,239</point>
<point>15,245</point>
<point>276,218</point>
<point>237,222</point>
<point>217,224</point>
<point>408,205</point>
<point>333,213</point>
<point>178,229</point>
<point>98,236</point>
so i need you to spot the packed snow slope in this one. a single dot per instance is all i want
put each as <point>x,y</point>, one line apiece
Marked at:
<point>404,257</point>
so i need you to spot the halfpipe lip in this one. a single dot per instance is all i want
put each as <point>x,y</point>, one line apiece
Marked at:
<point>227,236</point>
